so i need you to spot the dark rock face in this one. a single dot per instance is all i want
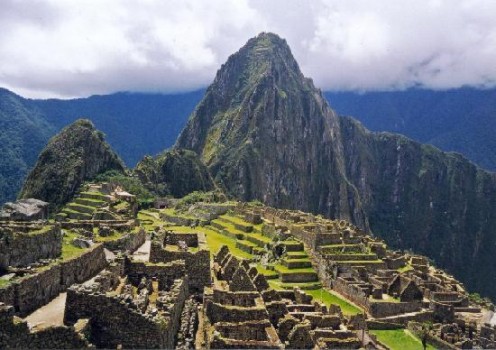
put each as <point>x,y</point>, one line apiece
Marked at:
<point>76,154</point>
<point>266,133</point>
<point>177,173</point>
<point>420,198</point>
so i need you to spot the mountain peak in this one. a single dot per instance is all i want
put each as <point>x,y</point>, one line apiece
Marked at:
<point>76,154</point>
<point>258,127</point>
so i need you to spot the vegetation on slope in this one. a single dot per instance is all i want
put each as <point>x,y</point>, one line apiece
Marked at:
<point>177,173</point>
<point>77,154</point>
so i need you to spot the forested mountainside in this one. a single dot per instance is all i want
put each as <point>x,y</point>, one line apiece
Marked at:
<point>134,124</point>
<point>460,120</point>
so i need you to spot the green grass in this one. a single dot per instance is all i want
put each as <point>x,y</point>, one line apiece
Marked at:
<point>267,273</point>
<point>291,255</point>
<point>306,286</point>
<point>181,229</point>
<point>149,221</point>
<point>4,282</point>
<point>330,297</point>
<point>215,240</point>
<point>405,268</point>
<point>399,339</point>
<point>284,269</point>
<point>235,220</point>
<point>229,227</point>
<point>68,249</point>
<point>173,212</point>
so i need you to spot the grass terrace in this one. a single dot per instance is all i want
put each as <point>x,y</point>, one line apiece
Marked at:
<point>68,249</point>
<point>331,297</point>
<point>399,339</point>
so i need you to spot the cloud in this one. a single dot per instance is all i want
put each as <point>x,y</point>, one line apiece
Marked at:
<point>82,47</point>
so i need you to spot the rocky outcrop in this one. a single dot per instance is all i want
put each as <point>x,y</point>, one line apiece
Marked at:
<point>266,133</point>
<point>25,210</point>
<point>77,153</point>
<point>176,172</point>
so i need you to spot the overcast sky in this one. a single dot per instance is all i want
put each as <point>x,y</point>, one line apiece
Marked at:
<point>68,48</point>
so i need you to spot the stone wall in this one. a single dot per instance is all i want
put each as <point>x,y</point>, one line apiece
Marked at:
<point>34,291</point>
<point>225,313</point>
<point>386,309</point>
<point>7,294</point>
<point>16,334</point>
<point>165,273</point>
<point>356,295</point>
<point>173,238</point>
<point>128,242</point>
<point>115,322</point>
<point>22,249</point>
<point>197,264</point>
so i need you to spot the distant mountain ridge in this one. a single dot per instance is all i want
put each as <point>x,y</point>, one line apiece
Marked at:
<point>135,124</point>
<point>460,120</point>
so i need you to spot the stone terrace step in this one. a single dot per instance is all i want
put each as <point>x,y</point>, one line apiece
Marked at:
<point>297,255</point>
<point>245,246</point>
<point>81,208</point>
<point>96,203</point>
<point>352,257</point>
<point>218,227</point>
<point>238,223</point>
<point>75,215</point>
<point>341,249</point>
<point>296,275</point>
<point>293,246</point>
<point>290,286</point>
<point>93,195</point>
<point>258,239</point>
<point>296,263</point>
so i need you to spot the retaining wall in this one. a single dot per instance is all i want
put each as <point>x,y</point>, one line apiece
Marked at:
<point>34,291</point>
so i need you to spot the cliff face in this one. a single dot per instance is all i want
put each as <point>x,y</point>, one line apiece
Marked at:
<point>420,198</point>
<point>76,154</point>
<point>177,173</point>
<point>266,133</point>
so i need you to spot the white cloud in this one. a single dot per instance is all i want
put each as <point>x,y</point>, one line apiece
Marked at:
<point>83,47</point>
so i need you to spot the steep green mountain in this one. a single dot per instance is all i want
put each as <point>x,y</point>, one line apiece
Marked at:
<point>78,153</point>
<point>176,172</point>
<point>23,133</point>
<point>266,133</point>
<point>461,120</point>
<point>135,124</point>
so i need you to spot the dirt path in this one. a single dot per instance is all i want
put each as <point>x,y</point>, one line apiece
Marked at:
<point>52,314</point>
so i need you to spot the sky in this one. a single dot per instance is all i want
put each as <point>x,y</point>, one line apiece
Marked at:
<point>77,48</point>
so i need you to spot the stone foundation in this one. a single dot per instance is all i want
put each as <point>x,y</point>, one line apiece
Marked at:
<point>34,291</point>
<point>19,248</point>
<point>129,242</point>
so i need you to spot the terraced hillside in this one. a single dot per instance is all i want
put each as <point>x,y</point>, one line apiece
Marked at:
<point>253,242</point>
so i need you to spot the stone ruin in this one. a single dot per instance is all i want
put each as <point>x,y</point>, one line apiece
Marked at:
<point>142,308</point>
<point>29,209</point>
<point>394,288</point>
<point>241,310</point>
